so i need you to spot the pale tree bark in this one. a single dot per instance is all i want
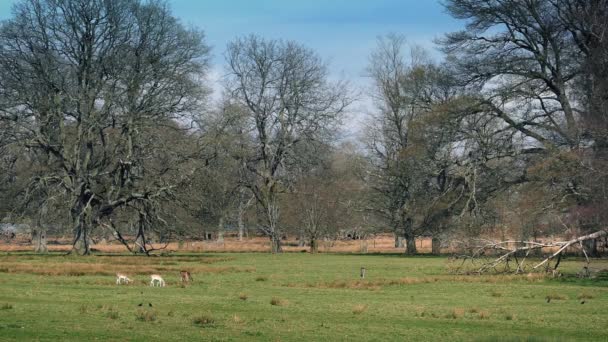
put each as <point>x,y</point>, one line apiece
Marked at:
<point>39,240</point>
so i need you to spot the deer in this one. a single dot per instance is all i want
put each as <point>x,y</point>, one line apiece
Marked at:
<point>185,276</point>
<point>155,278</point>
<point>122,278</point>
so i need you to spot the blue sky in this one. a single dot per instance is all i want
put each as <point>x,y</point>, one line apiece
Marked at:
<point>342,31</point>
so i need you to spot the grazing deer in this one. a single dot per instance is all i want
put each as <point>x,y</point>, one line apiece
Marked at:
<point>185,276</point>
<point>155,278</point>
<point>121,277</point>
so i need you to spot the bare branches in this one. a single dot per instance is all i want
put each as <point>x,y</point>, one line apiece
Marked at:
<point>519,251</point>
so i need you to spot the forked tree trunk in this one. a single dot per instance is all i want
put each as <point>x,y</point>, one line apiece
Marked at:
<point>140,239</point>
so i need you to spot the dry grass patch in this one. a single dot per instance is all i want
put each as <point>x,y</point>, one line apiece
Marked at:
<point>496,294</point>
<point>556,296</point>
<point>203,320</point>
<point>146,315</point>
<point>278,301</point>
<point>243,296</point>
<point>585,295</point>
<point>107,269</point>
<point>379,283</point>
<point>484,315</point>
<point>237,319</point>
<point>359,309</point>
<point>456,313</point>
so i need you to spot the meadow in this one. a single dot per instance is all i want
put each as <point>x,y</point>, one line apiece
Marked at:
<point>291,297</point>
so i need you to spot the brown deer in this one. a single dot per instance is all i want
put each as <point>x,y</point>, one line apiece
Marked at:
<point>185,276</point>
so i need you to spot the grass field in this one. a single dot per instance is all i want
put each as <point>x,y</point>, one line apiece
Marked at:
<point>255,296</point>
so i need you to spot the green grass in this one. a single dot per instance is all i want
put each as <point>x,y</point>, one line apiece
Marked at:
<point>301,297</point>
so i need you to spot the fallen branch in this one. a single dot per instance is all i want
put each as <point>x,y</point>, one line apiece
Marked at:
<point>512,248</point>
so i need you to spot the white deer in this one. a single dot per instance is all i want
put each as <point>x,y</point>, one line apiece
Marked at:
<point>122,278</point>
<point>155,278</point>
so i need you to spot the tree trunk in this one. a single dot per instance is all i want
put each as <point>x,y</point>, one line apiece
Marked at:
<point>140,239</point>
<point>39,240</point>
<point>220,230</point>
<point>82,243</point>
<point>410,238</point>
<point>241,224</point>
<point>275,244</point>
<point>314,246</point>
<point>436,246</point>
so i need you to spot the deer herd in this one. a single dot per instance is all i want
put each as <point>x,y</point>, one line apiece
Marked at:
<point>155,279</point>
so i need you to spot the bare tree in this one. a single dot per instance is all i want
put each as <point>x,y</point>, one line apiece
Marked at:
<point>87,86</point>
<point>539,68</point>
<point>289,99</point>
<point>411,140</point>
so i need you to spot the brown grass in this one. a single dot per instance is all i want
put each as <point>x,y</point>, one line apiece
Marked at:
<point>457,313</point>
<point>278,301</point>
<point>108,266</point>
<point>484,315</point>
<point>359,309</point>
<point>204,320</point>
<point>243,296</point>
<point>496,294</point>
<point>237,319</point>
<point>379,283</point>
<point>146,315</point>
<point>556,296</point>
<point>381,244</point>
<point>585,295</point>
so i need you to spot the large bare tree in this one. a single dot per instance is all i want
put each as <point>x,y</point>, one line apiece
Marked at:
<point>286,90</point>
<point>89,87</point>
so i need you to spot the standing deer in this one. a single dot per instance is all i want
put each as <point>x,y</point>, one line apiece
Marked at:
<point>155,278</point>
<point>121,277</point>
<point>185,276</point>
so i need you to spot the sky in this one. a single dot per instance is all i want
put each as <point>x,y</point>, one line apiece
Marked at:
<point>343,32</point>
